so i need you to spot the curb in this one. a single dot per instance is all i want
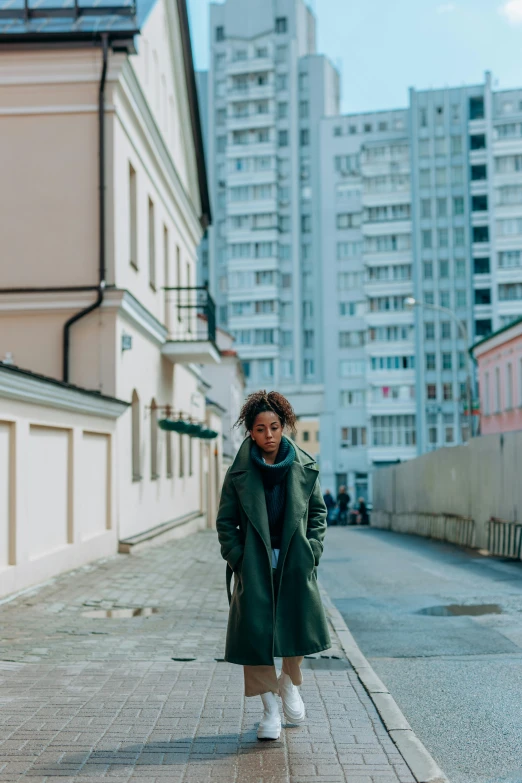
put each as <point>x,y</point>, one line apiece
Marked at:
<point>422,765</point>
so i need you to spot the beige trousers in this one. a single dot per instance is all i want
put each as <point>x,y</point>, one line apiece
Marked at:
<point>261,679</point>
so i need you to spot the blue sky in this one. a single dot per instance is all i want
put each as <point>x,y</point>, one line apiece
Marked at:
<point>382,47</point>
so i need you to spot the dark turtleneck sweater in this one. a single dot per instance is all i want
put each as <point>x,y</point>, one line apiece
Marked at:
<point>274,484</point>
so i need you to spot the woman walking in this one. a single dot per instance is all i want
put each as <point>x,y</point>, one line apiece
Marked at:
<point>271,524</point>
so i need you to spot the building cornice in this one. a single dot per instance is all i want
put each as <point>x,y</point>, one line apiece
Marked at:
<point>497,339</point>
<point>24,386</point>
<point>135,314</point>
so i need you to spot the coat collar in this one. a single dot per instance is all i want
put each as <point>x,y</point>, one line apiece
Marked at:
<point>300,483</point>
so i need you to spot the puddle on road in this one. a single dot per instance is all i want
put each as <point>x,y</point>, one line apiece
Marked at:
<point>135,611</point>
<point>457,610</point>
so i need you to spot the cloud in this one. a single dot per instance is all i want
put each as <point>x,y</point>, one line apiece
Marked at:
<point>446,8</point>
<point>512,11</point>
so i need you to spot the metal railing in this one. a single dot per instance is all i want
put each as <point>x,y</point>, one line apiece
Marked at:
<point>504,538</point>
<point>190,314</point>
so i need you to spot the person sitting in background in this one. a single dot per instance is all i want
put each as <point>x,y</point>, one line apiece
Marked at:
<point>343,501</point>
<point>330,505</point>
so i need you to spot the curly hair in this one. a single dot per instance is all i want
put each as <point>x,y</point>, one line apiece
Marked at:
<point>261,401</point>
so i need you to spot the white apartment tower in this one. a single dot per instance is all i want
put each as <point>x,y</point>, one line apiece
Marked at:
<point>264,97</point>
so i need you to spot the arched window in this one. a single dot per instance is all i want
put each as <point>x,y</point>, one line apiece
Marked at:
<point>154,440</point>
<point>136,461</point>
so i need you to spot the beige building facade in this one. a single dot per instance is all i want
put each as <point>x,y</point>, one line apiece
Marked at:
<point>103,202</point>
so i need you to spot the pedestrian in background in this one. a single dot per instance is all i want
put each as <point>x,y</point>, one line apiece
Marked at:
<point>363,518</point>
<point>271,525</point>
<point>343,501</point>
<point>330,506</point>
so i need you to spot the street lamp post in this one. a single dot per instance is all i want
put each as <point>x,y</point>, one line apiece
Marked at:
<point>411,302</point>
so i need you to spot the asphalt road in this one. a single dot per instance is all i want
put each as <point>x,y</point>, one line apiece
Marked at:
<point>457,678</point>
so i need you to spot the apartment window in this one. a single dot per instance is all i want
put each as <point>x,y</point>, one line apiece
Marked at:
<point>449,428</point>
<point>477,141</point>
<point>426,239</point>
<point>509,386</point>
<point>442,237</point>
<point>281,53</point>
<point>431,363</point>
<point>476,108</point>
<point>379,363</point>
<point>460,268</point>
<point>481,266</point>
<point>440,176</point>
<point>424,148</point>
<point>461,299</point>
<point>429,330</point>
<point>479,203</point>
<point>457,175</point>
<point>221,143</point>
<point>266,306</point>
<point>429,297</point>
<point>478,172</point>
<point>350,367</point>
<point>133,218</point>
<point>308,309</point>
<point>348,398</point>
<point>348,220</point>
<point>447,363</point>
<point>353,436</point>
<point>432,429</point>
<point>431,391</point>
<point>458,236</point>
<point>282,138</point>
<point>443,269</point>
<point>509,292</point>
<point>423,117</point>
<point>286,280</point>
<point>447,391</point>
<point>393,431</point>
<point>440,146</point>
<point>458,205</point>
<point>483,296</point>
<point>425,178</point>
<point>456,145</point>
<point>428,270</point>
<point>309,368</point>
<point>509,259</point>
<point>480,233</point>
<point>220,33</point>
<point>152,246</point>
<point>267,368</point>
<point>425,208</point>
<point>444,298</point>
<point>304,109</point>
<point>264,337</point>
<point>306,224</point>
<point>281,24</point>
<point>281,82</point>
<point>445,330</point>
<point>246,369</point>
<point>304,137</point>
<point>284,223</point>
<point>348,250</point>
<point>442,207</point>
<point>287,368</point>
<point>308,338</point>
<point>282,111</point>
<point>136,445</point>
<point>455,112</point>
<point>483,327</point>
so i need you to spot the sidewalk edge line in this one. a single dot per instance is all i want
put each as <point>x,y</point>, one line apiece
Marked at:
<point>423,766</point>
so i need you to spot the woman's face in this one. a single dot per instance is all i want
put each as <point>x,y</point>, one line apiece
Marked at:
<point>267,432</point>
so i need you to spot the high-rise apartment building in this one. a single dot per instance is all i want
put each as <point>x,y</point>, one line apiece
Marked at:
<point>424,202</point>
<point>264,97</point>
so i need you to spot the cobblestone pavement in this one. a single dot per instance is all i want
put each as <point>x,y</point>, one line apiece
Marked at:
<point>148,697</point>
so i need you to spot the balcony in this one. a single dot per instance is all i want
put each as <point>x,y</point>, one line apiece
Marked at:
<point>191,323</point>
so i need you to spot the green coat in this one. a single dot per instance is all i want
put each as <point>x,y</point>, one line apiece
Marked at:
<point>260,628</point>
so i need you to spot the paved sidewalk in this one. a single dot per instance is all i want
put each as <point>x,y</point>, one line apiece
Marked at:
<point>147,698</point>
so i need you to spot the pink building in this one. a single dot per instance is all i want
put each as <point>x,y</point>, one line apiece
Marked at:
<point>499,359</point>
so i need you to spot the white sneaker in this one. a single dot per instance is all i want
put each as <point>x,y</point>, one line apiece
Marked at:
<point>270,725</point>
<point>293,706</point>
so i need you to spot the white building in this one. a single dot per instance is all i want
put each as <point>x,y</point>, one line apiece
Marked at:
<point>264,96</point>
<point>103,203</point>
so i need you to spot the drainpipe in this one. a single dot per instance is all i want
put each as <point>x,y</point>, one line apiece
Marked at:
<point>102,274</point>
